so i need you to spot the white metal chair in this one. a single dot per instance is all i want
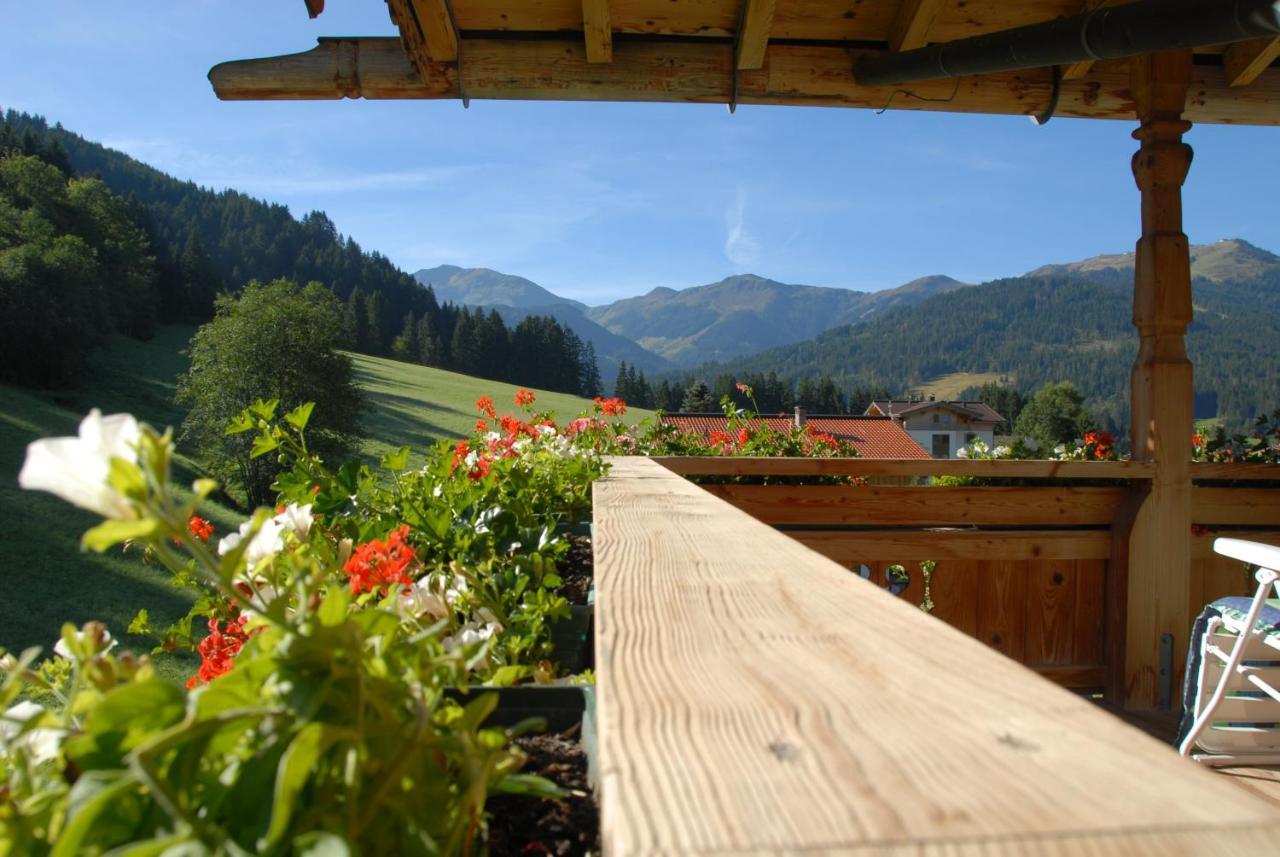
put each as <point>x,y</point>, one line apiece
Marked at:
<point>1233,709</point>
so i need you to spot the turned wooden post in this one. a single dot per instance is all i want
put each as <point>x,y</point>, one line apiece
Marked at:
<point>1160,580</point>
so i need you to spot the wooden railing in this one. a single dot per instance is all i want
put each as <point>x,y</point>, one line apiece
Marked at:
<point>755,697</point>
<point>1036,571</point>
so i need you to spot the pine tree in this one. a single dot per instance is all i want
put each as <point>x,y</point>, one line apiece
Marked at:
<point>405,346</point>
<point>697,399</point>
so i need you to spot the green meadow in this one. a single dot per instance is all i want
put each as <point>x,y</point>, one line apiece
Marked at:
<point>47,580</point>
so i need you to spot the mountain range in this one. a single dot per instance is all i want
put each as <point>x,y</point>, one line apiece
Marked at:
<point>667,328</point>
<point>1060,321</point>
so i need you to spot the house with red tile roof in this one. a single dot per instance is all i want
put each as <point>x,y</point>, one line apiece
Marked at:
<point>872,436</point>
<point>942,427</point>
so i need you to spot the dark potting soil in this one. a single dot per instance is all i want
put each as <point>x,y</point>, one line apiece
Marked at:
<point>577,570</point>
<point>523,826</point>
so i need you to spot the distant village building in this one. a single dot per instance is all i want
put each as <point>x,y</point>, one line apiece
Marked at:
<point>940,427</point>
<point>871,436</point>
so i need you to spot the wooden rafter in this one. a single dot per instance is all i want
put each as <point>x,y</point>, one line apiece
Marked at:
<point>911,25</point>
<point>314,7</point>
<point>521,69</point>
<point>596,31</point>
<point>753,37</point>
<point>1077,70</point>
<point>437,28</point>
<point>1246,60</point>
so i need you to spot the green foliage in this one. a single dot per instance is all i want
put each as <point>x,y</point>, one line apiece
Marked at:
<point>697,399</point>
<point>73,267</point>
<point>1054,415</point>
<point>205,243</point>
<point>1261,445</point>
<point>277,342</point>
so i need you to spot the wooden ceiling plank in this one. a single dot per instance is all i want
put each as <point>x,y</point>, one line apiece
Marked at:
<point>1246,60</point>
<point>910,28</point>
<point>596,31</point>
<point>437,26</point>
<point>1077,70</point>
<point>753,37</point>
<point>702,73</point>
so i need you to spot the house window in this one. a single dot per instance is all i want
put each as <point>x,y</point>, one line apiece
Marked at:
<point>946,419</point>
<point>942,446</point>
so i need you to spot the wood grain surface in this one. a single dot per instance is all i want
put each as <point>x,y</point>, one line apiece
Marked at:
<point>755,697</point>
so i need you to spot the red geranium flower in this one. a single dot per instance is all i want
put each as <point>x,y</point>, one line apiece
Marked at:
<point>218,651</point>
<point>482,426</point>
<point>744,435</point>
<point>484,405</point>
<point>524,397</point>
<point>200,528</point>
<point>612,407</point>
<point>378,565</point>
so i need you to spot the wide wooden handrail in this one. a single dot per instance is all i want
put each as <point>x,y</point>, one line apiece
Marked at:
<point>1201,470</point>
<point>747,466</point>
<point>755,697</point>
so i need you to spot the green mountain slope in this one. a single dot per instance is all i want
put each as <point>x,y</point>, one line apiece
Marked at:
<point>1229,260</point>
<point>1037,330</point>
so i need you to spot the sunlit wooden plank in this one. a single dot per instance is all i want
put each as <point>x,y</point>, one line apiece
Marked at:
<point>753,39</point>
<point>596,32</point>
<point>1246,60</point>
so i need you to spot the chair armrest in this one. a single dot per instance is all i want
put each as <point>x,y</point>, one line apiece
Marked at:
<point>1254,553</point>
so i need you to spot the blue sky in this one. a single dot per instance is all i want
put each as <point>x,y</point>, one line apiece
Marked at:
<point>602,201</point>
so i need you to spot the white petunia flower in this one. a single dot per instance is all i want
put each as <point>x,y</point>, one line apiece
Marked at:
<point>60,648</point>
<point>40,743</point>
<point>267,542</point>
<point>1001,451</point>
<point>422,600</point>
<point>962,452</point>
<point>1031,444</point>
<point>296,518</point>
<point>76,468</point>
<point>1060,449</point>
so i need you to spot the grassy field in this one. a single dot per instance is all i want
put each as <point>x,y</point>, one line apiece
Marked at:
<point>951,386</point>
<point>47,581</point>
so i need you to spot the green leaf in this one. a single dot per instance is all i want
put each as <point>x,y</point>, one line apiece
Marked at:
<point>264,409</point>
<point>204,487</point>
<point>91,796</point>
<point>178,845</point>
<point>397,460</point>
<point>333,610</point>
<point>127,716</point>
<point>108,534</point>
<point>240,423</point>
<point>263,444</point>
<point>296,767</point>
<point>126,477</point>
<point>300,416</point>
<point>475,712</point>
<point>529,785</point>
<point>321,844</point>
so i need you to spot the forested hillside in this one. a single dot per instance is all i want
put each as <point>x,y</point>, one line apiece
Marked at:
<point>196,243</point>
<point>1037,331</point>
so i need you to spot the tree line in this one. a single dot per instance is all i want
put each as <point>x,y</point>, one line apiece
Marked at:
<point>155,250</point>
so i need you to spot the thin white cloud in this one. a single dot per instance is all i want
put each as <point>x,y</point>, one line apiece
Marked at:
<point>970,160</point>
<point>740,247</point>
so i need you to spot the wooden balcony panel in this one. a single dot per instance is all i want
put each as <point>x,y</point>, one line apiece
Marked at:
<point>868,505</point>
<point>755,697</point>
<point>1007,469</point>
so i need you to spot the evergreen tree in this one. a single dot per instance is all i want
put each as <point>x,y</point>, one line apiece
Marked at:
<point>698,399</point>
<point>199,280</point>
<point>405,346</point>
<point>590,372</point>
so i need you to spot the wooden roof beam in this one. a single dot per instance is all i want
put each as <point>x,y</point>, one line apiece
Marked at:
<point>557,69</point>
<point>753,34</point>
<point>436,23</point>
<point>1244,61</point>
<point>1077,70</point>
<point>910,28</point>
<point>596,31</point>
